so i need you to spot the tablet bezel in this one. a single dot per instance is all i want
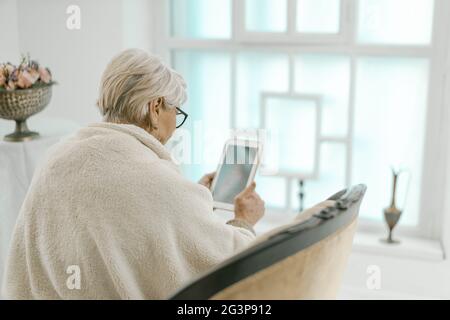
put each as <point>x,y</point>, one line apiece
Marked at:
<point>236,142</point>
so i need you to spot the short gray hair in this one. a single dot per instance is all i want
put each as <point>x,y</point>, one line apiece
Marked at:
<point>134,78</point>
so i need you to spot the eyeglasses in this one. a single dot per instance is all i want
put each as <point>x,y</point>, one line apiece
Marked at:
<point>181,117</point>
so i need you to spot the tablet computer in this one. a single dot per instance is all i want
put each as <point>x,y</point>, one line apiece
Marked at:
<point>237,168</point>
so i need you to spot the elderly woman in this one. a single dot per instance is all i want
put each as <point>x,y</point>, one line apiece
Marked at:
<point>109,215</point>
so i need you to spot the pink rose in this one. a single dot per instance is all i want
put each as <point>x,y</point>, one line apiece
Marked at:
<point>23,76</point>
<point>45,75</point>
<point>25,79</point>
<point>34,73</point>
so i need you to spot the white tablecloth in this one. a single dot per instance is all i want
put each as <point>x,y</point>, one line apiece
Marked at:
<point>18,161</point>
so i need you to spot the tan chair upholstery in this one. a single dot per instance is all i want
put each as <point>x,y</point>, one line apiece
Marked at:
<point>305,260</point>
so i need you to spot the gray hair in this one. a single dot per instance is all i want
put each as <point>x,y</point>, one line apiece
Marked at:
<point>131,80</point>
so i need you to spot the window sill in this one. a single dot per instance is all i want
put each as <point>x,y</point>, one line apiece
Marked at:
<point>409,247</point>
<point>365,242</point>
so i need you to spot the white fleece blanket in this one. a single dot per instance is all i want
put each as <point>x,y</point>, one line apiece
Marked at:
<point>109,216</point>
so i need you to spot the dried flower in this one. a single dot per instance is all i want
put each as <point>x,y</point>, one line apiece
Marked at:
<point>34,73</point>
<point>23,76</point>
<point>9,68</point>
<point>34,65</point>
<point>45,75</point>
<point>25,79</point>
<point>10,85</point>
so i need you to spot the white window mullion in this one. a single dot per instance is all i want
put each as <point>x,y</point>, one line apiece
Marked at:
<point>433,180</point>
<point>291,73</point>
<point>233,79</point>
<point>351,20</point>
<point>350,121</point>
<point>161,29</point>
<point>291,17</point>
<point>238,20</point>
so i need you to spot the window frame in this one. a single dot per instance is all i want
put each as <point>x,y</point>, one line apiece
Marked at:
<point>433,181</point>
<point>291,35</point>
<point>318,138</point>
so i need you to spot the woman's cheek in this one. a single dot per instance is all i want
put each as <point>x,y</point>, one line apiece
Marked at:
<point>174,122</point>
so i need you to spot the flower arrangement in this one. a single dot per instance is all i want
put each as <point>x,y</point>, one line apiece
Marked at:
<point>27,74</point>
<point>25,90</point>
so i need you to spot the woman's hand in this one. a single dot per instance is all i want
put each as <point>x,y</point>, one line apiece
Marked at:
<point>207,179</point>
<point>249,206</point>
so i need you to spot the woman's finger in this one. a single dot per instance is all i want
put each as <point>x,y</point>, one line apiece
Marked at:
<point>211,175</point>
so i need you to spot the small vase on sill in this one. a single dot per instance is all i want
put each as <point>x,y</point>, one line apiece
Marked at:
<point>392,214</point>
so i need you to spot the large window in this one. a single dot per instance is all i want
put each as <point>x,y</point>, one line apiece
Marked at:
<point>344,85</point>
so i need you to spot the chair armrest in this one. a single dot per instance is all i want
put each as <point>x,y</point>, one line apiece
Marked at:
<point>308,213</point>
<point>299,219</point>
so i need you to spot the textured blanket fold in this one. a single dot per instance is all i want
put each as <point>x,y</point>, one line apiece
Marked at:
<point>109,216</point>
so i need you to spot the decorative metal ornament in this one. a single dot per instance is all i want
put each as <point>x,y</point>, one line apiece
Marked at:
<point>392,214</point>
<point>19,105</point>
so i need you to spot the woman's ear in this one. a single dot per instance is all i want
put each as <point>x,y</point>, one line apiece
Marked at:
<point>154,111</point>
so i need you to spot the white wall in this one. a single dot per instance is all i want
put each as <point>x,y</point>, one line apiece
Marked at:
<point>446,224</point>
<point>9,34</point>
<point>138,24</point>
<point>76,58</point>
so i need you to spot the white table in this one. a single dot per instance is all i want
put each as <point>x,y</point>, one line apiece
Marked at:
<point>18,160</point>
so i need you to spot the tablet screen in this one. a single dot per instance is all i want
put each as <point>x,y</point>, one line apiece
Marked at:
<point>234,173</point>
